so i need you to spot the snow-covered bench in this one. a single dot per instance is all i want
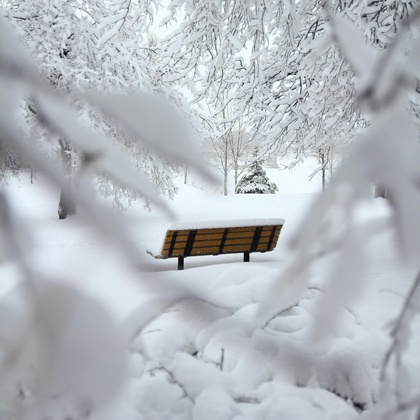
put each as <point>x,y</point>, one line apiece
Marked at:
<point>219,237</point>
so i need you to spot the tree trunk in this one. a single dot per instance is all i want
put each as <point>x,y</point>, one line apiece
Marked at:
<point>323,171</point>
<point>380,191</point>
<point>66,206</point>
<point>225,172</point>
<point>225,176</point>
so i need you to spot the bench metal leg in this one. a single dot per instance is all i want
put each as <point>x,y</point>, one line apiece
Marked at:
<point>246,256</point>
<point>180,263</point>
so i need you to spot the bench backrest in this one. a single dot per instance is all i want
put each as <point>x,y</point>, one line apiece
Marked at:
<point>215,241</point>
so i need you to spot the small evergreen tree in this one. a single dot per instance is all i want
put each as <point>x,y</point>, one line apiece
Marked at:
<point>255,180</point>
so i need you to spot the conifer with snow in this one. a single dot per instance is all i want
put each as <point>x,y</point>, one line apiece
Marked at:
<point>255,180</point>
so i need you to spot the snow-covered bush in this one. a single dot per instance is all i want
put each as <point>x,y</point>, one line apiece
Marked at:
<point>254,180</point>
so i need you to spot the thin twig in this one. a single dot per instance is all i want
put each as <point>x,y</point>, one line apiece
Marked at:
<point>403,318</point>
<point>172,380</point>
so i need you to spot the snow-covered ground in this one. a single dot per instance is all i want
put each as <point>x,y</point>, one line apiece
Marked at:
<point>210,357</point>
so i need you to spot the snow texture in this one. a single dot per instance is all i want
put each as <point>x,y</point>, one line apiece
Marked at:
<point>222,223</point>
<point>211,358</point>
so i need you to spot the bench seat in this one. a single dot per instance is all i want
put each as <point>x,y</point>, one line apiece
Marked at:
<point>219,237</point>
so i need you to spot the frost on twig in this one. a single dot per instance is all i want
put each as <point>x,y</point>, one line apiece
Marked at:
<point>126,13</point>
<point>400,339</point>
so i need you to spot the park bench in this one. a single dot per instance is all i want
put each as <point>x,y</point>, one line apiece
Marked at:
<point>215,238</point>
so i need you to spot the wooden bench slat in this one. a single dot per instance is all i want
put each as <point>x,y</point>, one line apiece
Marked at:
<point>218,235</point>
<point>214,241</point>
<point>215,250</point>
<point>218,238</point>
<point>217,230</point>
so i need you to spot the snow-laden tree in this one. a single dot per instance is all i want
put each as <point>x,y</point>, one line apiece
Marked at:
<point>274,63</point>
<point>95,47</point>
<point>240,146</point>
<point>254,180</point>
<point>314,106</point>
<point>220,53</point>
<point>228,150</point>
<point>62,355</point>
<point>9,164</point>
